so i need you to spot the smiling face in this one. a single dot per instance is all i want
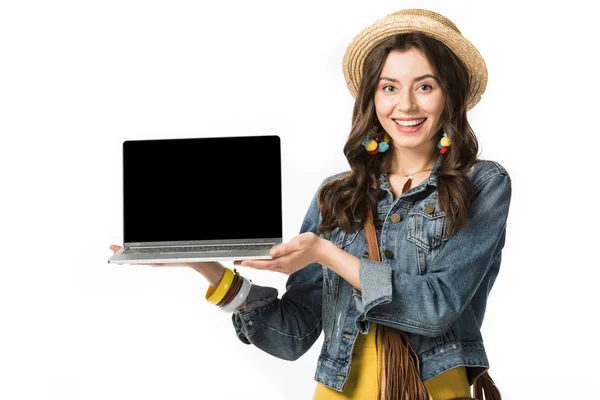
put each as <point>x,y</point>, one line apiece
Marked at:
<point>409,101</point>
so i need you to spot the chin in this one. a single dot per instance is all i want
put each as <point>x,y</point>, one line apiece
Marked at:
<point>409,141</point>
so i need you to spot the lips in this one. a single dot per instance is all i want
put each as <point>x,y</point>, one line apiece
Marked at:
<point>410,122</point>
<point>410,128</point>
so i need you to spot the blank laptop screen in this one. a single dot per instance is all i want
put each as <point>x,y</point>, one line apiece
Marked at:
<point>202,189</point>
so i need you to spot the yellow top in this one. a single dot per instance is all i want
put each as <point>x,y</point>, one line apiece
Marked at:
<point>365,373</point>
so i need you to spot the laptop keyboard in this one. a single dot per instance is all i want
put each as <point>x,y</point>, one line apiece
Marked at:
<point>180,249</point>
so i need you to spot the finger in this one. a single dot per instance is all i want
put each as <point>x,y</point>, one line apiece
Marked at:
<point>285,264</point>
<point>277,250</point>
<point>259,264</point>
<point>295,244</point>
<point>282,262</point>
<point>148,265</point>
<point>282,248</point>
<point>115,248</point>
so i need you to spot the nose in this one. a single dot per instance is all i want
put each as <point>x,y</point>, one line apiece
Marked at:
<point>406,102</point>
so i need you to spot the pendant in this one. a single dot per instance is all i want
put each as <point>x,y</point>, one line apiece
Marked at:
<point>407,184</point>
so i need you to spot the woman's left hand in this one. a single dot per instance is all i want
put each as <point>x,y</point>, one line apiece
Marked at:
<point>290,257</point>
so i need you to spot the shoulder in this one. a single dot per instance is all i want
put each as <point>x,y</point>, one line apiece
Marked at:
<point>334,177</point>
<point>328,179</point>
<point>484,170</point>
<point>313,217</point>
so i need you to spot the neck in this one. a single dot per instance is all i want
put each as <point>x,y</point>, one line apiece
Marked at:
<point>409,161</point>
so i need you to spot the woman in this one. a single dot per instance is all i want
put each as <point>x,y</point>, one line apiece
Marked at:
<point>440,219</point>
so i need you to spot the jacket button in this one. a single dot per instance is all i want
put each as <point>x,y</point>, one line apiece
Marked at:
<point>430,208</point>
<point>340,377</point>
<point>396,217</point>
<point>389,254</point>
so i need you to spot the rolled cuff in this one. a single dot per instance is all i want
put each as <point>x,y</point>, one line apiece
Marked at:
<point>376,282</point>
<point>259,297</point>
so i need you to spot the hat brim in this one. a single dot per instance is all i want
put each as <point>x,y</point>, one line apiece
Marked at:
<point>394,24</point>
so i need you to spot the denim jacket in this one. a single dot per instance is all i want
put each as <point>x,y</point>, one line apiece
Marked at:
<point>431,287</point>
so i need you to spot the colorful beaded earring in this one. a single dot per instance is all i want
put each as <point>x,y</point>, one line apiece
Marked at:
<point>444,143</point>
<point>375,142</point>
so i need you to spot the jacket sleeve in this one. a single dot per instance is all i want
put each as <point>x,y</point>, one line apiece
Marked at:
<point>285,328</point>
<point>428,304</point>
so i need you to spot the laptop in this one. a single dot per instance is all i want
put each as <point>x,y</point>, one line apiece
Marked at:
<point>200,199</point>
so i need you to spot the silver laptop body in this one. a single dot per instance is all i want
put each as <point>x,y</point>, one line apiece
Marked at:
<point>200,199</point>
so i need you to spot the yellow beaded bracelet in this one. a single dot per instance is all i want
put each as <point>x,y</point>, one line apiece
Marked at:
<point>214,296</point>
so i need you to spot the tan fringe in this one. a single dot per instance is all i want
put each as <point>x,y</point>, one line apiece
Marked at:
<point>401,378</point>
<point>485,386</point>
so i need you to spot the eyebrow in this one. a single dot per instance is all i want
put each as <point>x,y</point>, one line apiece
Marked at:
<point>419,78</point>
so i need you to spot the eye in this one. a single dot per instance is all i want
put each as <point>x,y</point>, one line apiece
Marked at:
<point>387,86</point>
<point>429,86</point>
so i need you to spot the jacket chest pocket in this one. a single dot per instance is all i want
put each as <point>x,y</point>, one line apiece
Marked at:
<point>427,226</point>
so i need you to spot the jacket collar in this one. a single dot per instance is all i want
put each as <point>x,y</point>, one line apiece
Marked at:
<point>431,179</point>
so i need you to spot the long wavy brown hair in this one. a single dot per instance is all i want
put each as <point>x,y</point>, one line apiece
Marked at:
<point>344,202</point>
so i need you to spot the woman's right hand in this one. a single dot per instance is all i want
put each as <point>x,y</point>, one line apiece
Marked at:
<point>213,271</point>
<point>115,248</point>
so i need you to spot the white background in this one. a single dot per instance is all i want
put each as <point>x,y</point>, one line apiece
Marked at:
<point>77,78</point>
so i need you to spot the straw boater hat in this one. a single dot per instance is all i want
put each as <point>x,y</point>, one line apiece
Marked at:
<point>431,24</point>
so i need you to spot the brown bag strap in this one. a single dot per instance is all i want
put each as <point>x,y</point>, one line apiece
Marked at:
<point>400,375</point>
<point>484,387</point>
<point>371,235</point>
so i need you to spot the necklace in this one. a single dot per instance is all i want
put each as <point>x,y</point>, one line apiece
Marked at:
<point>409,180</point>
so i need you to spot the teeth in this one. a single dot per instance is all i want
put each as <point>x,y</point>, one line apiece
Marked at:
<point>410,123</point>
